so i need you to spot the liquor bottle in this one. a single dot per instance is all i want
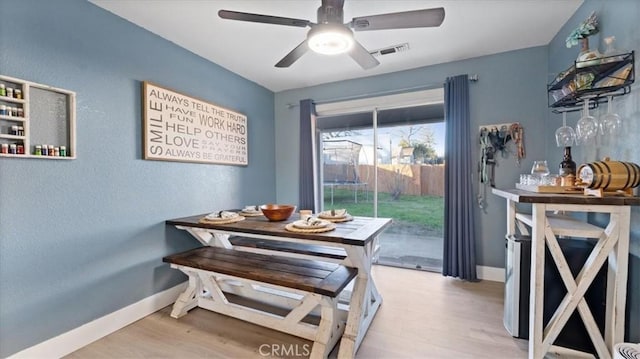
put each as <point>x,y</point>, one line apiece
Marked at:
<point>567,166</point>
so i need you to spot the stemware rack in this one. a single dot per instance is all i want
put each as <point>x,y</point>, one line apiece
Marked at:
<point>594,80</point>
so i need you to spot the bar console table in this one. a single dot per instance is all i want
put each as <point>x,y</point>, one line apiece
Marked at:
<point>549,219</point>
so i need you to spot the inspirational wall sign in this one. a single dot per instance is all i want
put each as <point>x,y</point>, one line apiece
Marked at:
<point>181,128</point>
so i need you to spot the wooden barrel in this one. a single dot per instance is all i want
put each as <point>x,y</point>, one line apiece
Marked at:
<point>609,175</point>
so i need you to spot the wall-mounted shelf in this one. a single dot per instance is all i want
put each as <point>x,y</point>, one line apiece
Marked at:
<point>45,115</point>
<point>11,99</point>
<point>594,80</point>
<point>12,137</point>
<point>12,118</point>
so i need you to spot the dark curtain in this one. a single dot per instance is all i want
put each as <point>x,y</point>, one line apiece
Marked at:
<point>459,258</point>
<point>306,200</point>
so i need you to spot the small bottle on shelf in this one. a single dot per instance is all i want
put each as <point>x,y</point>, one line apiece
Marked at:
<point>4,148</point>
<point>3,110</point>
<point>38,150</point>
<point>18,94</point>
<point>9,92</point>
<point>610,52</point>
<point>567,168</point>
<point>3,90</point>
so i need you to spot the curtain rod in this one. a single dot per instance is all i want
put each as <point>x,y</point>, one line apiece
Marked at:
<point>472,78</point>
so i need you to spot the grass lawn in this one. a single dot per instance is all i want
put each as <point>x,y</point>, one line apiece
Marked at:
<point>423,212</point>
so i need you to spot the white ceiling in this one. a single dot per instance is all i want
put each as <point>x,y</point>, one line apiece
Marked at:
<point>471,28</point>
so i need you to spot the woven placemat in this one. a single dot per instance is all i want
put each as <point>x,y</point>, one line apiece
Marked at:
<point>250,214</point>
<point>221,221</point>
<point>346,218</point>
<point>291,228</point>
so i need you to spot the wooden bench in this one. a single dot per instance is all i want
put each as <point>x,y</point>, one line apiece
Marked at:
<point>214,272</point>
<point>289,247</point>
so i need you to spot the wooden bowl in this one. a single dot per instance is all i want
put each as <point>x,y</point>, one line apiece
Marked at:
<point>277,212</point>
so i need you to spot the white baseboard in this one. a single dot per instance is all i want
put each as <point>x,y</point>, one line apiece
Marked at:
<point>81,336</point>
<point>490,273</point>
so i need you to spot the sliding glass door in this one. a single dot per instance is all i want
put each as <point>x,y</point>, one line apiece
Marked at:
<point>389,163</point>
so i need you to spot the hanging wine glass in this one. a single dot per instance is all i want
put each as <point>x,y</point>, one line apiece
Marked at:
<point>599,125</point>
<point>565,135</point>
<point>611,122</point>
<point>587,126</point>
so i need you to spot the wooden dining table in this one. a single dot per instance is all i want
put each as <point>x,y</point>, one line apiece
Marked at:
<point>357,237</point>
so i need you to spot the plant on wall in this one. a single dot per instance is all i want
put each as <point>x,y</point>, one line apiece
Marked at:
<point>586,28</point>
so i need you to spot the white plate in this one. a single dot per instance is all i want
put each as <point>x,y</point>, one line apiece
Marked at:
<point>341,213</point>
<point>302,224</point>
<point>251,214</point>
<point>227,215</point>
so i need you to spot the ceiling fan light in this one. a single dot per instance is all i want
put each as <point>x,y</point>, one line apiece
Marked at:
<point>331,40</point>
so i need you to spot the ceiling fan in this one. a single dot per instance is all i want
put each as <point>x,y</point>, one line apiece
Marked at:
<point>331,36</point>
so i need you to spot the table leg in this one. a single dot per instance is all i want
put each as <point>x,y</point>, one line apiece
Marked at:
<point>536,291</point>
<point>617,274</point>
<point>364,304</point>
<point>511,217</point>
<point>354,319</point>
<point>187,299</point>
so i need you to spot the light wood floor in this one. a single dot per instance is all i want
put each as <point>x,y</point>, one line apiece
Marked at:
<point>423,315</point>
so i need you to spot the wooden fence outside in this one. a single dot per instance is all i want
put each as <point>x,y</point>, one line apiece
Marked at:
<point>417,180</point>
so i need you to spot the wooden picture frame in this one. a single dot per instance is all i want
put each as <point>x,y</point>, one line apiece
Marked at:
<point>181,128</point>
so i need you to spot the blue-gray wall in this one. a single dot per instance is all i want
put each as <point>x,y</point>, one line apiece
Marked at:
<point>617,18</point>
<point>511,88</point>
<point>81,239</point>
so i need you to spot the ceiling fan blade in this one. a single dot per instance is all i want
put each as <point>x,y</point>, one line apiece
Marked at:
<point>399,20</point>
<point>362,56</point>
<point>294,55</point>
<point>265,19</point>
